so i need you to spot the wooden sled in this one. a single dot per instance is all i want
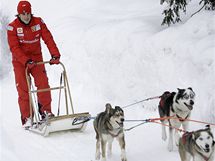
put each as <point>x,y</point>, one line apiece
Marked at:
<point>69,121</point>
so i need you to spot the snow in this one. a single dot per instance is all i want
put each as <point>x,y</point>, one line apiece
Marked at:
<point>115,51</point>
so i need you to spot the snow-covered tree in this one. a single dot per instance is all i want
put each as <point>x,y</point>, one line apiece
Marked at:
<point>209,4</point>
<point>172,12</point>
<point>4,50</point>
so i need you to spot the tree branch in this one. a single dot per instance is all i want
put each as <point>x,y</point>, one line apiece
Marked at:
<point>198,10</point>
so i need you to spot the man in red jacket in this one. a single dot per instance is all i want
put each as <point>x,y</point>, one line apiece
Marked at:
<point>24,35</point>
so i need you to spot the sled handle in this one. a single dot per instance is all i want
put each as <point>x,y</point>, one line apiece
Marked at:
<point>65,80</point>
<point>43,90</point>
<point>48,62</point>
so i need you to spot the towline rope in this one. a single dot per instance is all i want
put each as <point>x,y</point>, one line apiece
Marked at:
<point>147,99</point>
<point>143,121</point>
<point>155,120</point>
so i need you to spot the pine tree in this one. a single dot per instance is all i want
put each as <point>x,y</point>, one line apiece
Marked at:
<point>172,13</point>
<point>209,4</point>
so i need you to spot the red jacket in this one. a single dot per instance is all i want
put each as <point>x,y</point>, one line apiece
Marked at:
<point>24,40</point>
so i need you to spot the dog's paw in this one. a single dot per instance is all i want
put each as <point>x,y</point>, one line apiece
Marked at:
<point>97,156</point>
<point>170,144</point>
<point>109,154</point>
<point>103,159</point>
<point>170,147</point>
<point>124,159</point>
<point>123,155</point>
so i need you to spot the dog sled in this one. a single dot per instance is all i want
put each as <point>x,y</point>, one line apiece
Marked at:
<point>68,121</point>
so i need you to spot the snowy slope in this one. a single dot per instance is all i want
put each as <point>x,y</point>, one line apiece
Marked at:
<point>115,51</point>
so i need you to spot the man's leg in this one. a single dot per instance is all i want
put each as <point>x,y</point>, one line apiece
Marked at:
<point>22,88</point>
<point>41,82</point>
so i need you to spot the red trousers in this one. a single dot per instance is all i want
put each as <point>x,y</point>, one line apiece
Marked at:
<point>41,82</point>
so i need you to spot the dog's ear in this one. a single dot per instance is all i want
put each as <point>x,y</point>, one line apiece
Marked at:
<point>190,88</point>
<point>108,108</point>
<point>181,90</point>
<point>118,108</point>
<point>193,136</point>
<point>207,127</point>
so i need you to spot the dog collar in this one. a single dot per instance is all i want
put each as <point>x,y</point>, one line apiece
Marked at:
<point>182,119</point>
<point>179,117</point>
<point>186,135</point>
<point>109,126</point>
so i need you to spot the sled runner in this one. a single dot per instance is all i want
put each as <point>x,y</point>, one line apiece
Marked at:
<point>68,121</point>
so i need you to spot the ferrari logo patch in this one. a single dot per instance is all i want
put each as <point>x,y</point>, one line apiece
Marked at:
<point>35,28</point>
<point>19,30</point>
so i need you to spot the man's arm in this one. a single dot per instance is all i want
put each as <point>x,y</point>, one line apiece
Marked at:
<point>15,49</point>
<point>49,41</point>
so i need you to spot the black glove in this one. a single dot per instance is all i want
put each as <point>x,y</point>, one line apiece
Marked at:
<point>30,64</point>
<point>54,60</point>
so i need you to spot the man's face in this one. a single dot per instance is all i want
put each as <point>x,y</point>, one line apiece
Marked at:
<point>25,17</point>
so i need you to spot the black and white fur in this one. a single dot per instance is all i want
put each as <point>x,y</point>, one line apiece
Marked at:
<point>178,105</point>
<point>162,1</point>
<point>199,145</point>
<point>109,125</point>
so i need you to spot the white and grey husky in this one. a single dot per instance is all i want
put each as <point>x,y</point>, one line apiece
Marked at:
<point>198,145</point>
<point>178,106</point>
<point>109,125</point>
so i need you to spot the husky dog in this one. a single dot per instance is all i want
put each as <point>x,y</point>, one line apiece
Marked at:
<point>162,1</point>
<point>199,145</point>
<point>177,105</point>
<point>109,125</point>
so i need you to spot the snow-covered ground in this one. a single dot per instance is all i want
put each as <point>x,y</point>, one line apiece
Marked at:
<point>114,51</point>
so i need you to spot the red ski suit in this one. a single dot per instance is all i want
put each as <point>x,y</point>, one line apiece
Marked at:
<point>24,43</point>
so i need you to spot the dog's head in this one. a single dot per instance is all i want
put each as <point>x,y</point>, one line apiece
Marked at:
<point>185,97</point>
<point>204,140</point>
<point>116,115</point>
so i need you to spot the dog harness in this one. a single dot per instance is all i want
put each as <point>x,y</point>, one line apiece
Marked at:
<point>110,128</point>
<point>179,118</point>
<point>164,97</point>
<point>186,135</point>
